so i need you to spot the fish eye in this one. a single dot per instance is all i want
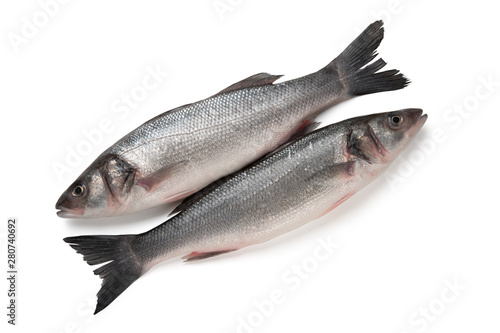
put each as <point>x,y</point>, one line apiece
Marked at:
<point>396,120</point>
<point>78,190</point>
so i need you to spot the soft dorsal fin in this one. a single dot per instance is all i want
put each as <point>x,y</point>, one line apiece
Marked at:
<point>260,79</point>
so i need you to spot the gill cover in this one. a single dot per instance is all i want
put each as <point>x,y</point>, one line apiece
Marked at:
<point>118,178</point>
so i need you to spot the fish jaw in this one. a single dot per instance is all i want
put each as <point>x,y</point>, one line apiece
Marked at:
<point>418,126</point>
<point>69,212</point>
<point>67,208</point>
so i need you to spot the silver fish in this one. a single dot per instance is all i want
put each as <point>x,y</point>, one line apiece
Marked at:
<point>288,188</point>
<point>180,151</point>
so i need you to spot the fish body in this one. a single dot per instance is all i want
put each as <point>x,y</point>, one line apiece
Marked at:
<point>182,150</point>
<point>292,186</point>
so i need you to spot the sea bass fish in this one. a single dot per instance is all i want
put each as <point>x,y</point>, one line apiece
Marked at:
<point>286,189</point>
<point>182,150</point>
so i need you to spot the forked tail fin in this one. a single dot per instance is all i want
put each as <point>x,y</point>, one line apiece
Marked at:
<point>120,270</point>
<point>361,78</point>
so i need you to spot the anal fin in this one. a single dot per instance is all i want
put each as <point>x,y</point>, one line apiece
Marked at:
<point>195,256</point>
<point>336,204</point>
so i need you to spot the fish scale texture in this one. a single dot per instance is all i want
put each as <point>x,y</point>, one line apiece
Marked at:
<point>251,120</point>
<point>255,204</point>
<point>183,150</point>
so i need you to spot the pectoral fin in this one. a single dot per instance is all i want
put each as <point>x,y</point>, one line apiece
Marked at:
<point>155,179</point>
<point>336,204</point>
<point>179,196</point>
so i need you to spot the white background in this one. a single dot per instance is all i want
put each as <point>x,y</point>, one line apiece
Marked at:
<point>432,218</point>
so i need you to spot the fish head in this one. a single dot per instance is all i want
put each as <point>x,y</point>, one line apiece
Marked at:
<point>101,190</point>
<point>380,138</point>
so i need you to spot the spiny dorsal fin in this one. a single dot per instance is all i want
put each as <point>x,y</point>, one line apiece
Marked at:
<point>260,79</point>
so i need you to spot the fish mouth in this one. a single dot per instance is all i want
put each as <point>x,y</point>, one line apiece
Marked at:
<point>69,212</point>
<point>418,124</point>
<point>422,120</point>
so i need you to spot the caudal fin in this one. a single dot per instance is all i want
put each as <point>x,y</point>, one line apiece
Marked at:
<point>120,270</point>
<point>361,78</point>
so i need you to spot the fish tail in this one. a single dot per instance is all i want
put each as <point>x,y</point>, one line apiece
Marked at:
<point>362,78</point>
<point>120,270</point>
